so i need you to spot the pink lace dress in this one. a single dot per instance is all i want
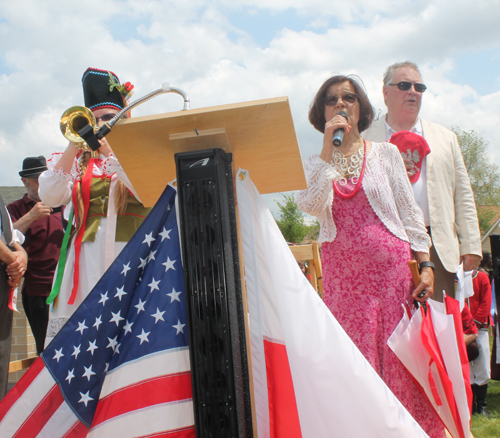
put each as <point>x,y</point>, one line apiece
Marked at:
<point>365,280</point>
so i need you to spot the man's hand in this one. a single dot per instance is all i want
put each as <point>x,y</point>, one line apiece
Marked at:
<point>410,166</point>
<point>16,269</point>
<point>39,210</point>
<point>471,261</point>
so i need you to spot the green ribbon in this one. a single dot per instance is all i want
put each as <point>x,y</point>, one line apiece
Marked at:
<point>62,261</point>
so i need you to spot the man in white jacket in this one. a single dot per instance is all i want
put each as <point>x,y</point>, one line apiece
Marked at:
<point>443,189</point>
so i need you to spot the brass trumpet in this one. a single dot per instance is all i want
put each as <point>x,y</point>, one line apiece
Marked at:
<point>74,119</point>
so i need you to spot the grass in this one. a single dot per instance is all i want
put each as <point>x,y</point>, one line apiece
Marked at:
<point>483,427</point>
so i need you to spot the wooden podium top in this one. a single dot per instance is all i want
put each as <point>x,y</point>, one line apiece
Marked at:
<point>261,135</point>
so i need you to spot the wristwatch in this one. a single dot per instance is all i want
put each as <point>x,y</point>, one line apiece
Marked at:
<point>426,264</point>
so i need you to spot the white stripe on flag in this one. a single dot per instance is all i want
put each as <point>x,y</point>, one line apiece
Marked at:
<point>147,367</point>
<point>60,423</point>
<point>143,422</point>
<point>24,406</point>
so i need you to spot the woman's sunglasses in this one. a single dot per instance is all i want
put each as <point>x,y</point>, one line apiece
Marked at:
<point>348,99</point>
<point>106,117</point>
<point>405,86</point>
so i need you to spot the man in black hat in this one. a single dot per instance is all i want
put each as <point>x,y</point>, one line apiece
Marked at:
<point>13,262</point>
<point>42,227</point>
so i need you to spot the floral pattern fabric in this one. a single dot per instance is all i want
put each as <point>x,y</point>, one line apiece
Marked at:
<point>365,280</point>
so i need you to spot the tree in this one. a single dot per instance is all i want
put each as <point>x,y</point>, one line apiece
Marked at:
<point>484,175</point>
<point>291,220</point>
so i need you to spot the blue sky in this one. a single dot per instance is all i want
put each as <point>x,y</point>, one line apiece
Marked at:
<point>235,51</point>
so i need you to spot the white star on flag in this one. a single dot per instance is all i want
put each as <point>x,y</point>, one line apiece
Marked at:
<point>92,347</point>
<point>169,264</point>
<point>154,285</point>
<point>174,296</point>
<point>143,336</point>
<point>81,327</point>
<point>58,354</point>
<point>126,268</point>
<point>88,372</point>
<point>120,292</point>
<point>116,318</point>
<point>76,351</point>
<point>104,298</point>
<point>97,322</point>
<point>71,375</point>
<point>85,398</point>
<point>164,234</point>
<point>179,327</point>
<point>158,315</point>
<point>128,327</point>
<point>140,306</point>
<point>148,238</point>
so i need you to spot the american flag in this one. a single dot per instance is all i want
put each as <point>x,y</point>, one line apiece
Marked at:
<point>120,365</point>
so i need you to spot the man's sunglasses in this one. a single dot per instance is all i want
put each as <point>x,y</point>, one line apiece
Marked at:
<point>348,99</point>
<point>405,86</point>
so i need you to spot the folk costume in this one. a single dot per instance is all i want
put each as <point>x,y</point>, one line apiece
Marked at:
<point>480,372</point>
<point>370,224</point>
<point>105,230</point>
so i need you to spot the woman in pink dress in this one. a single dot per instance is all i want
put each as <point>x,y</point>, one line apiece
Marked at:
<point>371,227</point>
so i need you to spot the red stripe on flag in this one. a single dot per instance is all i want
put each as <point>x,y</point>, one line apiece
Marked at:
<point>41,414</point>
<point>21,386</point>
<point>186,432</point>
<point>79,430</point>
<point>162,389</point>
<point>283,415</point>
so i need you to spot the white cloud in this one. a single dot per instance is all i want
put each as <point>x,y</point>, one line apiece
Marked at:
<point>193,45</point>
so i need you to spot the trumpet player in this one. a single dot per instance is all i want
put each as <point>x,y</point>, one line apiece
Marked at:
<point>96,191</point>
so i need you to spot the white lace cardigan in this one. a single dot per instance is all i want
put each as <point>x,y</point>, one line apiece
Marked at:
<point>386,186</point>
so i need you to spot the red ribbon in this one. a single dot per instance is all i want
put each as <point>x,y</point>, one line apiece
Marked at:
<point>86,183</point>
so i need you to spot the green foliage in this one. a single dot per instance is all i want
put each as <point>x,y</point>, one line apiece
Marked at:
<point>484,175</point>
<point>291,220</point>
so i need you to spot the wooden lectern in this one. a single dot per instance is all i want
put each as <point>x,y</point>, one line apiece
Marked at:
<point>203,148</point>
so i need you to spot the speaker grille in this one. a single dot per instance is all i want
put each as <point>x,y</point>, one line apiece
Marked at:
<point>213,291</point>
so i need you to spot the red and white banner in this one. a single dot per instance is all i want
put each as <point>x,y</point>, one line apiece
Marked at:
<point>309,379</point>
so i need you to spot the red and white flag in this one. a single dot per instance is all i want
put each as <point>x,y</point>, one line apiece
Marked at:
<point>309,378</point>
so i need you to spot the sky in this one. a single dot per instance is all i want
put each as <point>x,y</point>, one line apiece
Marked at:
<point>223,52</point>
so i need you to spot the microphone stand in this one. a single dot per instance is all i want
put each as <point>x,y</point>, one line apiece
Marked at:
<point>92,138</point>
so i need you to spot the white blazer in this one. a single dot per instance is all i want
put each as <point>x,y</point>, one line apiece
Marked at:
<point>452,210</point>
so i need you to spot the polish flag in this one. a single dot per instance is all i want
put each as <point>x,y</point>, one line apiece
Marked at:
<point>309,379</point>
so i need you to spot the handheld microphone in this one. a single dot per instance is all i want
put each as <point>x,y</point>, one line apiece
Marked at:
<point>338,135</point>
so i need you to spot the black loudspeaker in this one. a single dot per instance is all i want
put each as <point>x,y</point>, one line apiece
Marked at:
<point>217,343</point>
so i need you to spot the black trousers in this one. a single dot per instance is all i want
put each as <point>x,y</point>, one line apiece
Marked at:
<point>5,332</point>
<point>37,312</point>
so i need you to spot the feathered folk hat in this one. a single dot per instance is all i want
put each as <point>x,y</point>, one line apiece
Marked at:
<point>413,147</point>
<point>102,89</point>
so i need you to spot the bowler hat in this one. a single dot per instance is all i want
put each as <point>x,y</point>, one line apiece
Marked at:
<point>33,166</point>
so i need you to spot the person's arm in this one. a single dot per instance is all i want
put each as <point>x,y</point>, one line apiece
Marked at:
<point>56,184</point>
<point>38,211</point>
<point>319,193</point>
<point>412,219</point>
<point>16,261</point>
<point>484,294</point>
<point>465,211</point>
<point>470,338</point>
